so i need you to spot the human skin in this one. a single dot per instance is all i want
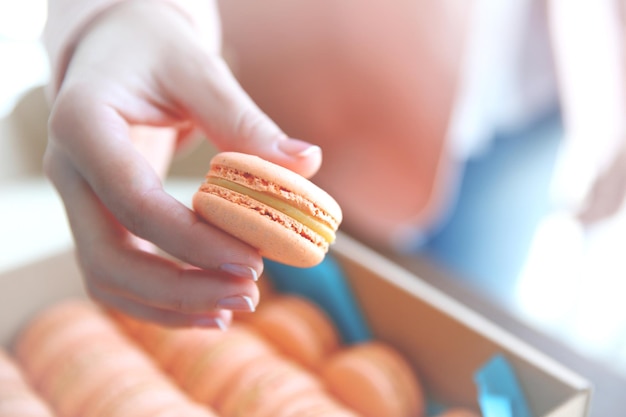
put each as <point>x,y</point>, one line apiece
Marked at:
<point>371,90</point>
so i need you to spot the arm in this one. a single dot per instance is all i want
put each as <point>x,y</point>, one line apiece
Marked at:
<point>130,76</point>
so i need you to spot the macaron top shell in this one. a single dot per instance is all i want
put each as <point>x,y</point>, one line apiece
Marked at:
<point>261,175</point>
<point>283,215</point>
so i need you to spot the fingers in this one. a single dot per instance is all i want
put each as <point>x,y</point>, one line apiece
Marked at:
<point>97,143</point>
<point>110,181</point>
<point>215,100</point>
<point>220,319</point>
<point>143,284</point>
<point>146,280</point>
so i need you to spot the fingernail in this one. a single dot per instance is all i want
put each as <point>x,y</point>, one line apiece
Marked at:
<point>242,271</point>
<point>297,147</point>
<point>211,322</point>
<point>237,303</point>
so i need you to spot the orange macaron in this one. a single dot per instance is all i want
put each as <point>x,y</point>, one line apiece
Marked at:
<point>313,404</point>
<point>375,380</point>
<point>134,394</point>
<point>263,387</point>
<point>75,378</point>
<point>282,214</point>
<point>87,367</point>
<point>458,412</point>
<point>208,371</point>
<point>298,328</point>
<point>52,333</point>
<point>164,344</point>
<point>201,361</point>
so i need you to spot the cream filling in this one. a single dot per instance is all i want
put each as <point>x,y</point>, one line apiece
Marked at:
<point>309,221</point>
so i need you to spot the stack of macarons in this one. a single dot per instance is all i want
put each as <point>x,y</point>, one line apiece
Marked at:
<point>286,362</point>
<point>293,358</point>
<point>17,397</point>
<point>82,365</point>
<point>238,372</point>
<point>370,378</point>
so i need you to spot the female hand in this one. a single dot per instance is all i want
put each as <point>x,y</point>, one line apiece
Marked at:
<point>139,78</point>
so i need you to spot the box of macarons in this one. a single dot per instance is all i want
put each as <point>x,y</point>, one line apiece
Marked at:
<point>340,331</point>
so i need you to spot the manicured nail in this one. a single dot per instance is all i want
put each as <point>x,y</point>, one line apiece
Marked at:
<point>211,322</point>
<point>297,147</point>
<point>242,271</point>
<point>236,303</point>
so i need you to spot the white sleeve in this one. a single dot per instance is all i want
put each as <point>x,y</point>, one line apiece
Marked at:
<point>68,19</point>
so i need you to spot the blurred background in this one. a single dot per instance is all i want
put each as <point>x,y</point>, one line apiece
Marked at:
<point>572,285</point>
<point>24,63</point>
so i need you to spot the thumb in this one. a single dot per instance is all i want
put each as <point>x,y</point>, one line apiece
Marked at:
<point>222,109</point>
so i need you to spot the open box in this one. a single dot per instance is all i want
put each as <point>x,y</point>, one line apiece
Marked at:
<point>444,340</point>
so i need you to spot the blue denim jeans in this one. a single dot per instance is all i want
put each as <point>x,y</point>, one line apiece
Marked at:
<point>504,194</point>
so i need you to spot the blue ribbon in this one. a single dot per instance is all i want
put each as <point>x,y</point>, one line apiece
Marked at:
<point>325,285</point>
<point>499,391</point>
